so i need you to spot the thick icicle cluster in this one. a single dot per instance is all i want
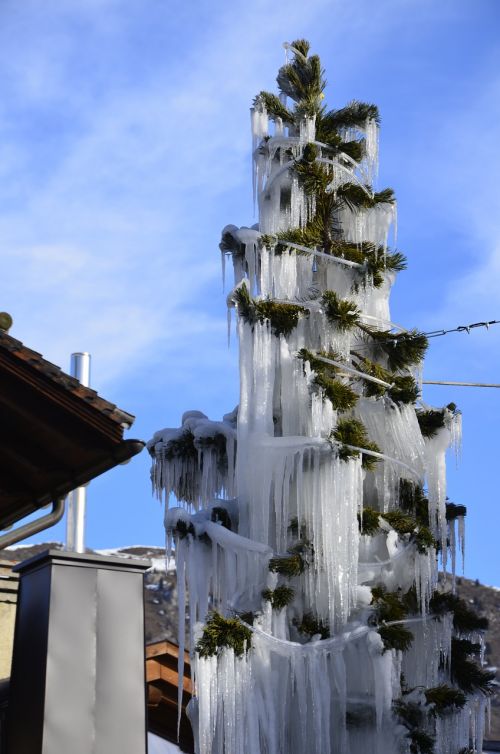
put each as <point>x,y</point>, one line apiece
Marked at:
<point>306,541</point>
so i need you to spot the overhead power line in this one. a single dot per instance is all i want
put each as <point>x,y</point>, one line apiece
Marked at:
<point>432,334</point>
<point>460,384</point>
<point>461,328</point>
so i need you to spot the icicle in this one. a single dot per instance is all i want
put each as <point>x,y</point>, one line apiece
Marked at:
<point>371,148</point>
<point>461,539</point>
<point>456,435</point>
<point>435,451</point>
<point>223,262</point>
<point>180,561</point>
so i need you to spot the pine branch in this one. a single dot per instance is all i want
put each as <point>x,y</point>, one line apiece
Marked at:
<point>220,632</point>
<point>396,637</point>
<point>453,511</point>
<point>275,108</point>
<point>404,389</point>
<point>389,606</point>
<point>352,432</point>
<point>313,177</point>
<point>468,674</point>
<point>220,516</point>
<point>342,313</point>
<point>353,115</point>
<point>353,196</point>
<point>421,742</point>
<point>303,79</point>
<point>413,500</point>
<point>430,422</point>
<point>318,366</point>
<point>312,626</point>
<point>404,524</point>
<point>342,397</point>
<point>181,447</point>
<point>279,597</point>
<point>445,699</point>
<point>368,522</point>
<point>402,350</point>
<point>182,529</point>
<point>465,620</point>
<point>354,149</point>
<point>282,317</point>
<point>288,565</point>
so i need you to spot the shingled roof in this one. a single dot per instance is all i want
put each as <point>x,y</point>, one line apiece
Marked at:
<point>55,434</point>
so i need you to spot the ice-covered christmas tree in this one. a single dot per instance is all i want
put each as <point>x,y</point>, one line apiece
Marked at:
<point>314,517</point>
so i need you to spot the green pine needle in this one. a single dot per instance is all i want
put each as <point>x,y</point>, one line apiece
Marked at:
<point>430,422</point>
<point>283,318</point>
<point>465,620</point>
<point>445,699</point>
<point>453,511</point>
<point>369,521</point>
<point>220,632</point>
<point>303,79</point>
<point>468,674</point>
<point>404,389</point>
<point>288,565</point>
<point>318,366</point>
<point>279,597</point>
<point>220,516</point>
<point>181,447</point>
<point>342,313</point>
<point>396,637</point>
<point>421,742</point>
<point>399,521</point>
<point>274,107</point>
<point>342,397</point>
<point>312,626</point>
<point>402,350</point>
<point>183,528</point>
<point>389,606</point>
<point>353,115</point>
<point>353,432</point>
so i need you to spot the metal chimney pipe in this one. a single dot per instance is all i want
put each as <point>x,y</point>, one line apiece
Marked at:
<point>77,500</point>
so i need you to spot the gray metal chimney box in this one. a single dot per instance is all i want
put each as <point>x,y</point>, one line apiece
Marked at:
<point>78,671</point>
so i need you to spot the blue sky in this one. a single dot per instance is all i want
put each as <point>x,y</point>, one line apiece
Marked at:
<point>125,148</point>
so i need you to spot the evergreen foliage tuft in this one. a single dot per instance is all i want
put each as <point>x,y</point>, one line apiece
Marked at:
<point>465,620</point>
<point>430,422</point>
<point>220,515</point>
<point>220,632</point>
<point>445,699</point>
<point>466,673</point>
<point>288,565</point>
<point>369,521</point>
<point>454,511</point>
<point>181,447</point>
<point>341,395</point>
<point>402,350</point>
<point>183,528</point>
<point>396,637</point>
<point>342,313</point>
<point>282,317</point>
<point>279,597</point>
<point>274,107</point>
<point>352,432</point>
<point>312,626</point>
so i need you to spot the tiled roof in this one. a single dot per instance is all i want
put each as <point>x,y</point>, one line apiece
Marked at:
<point>55,434</point>
<point>56,374</point>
